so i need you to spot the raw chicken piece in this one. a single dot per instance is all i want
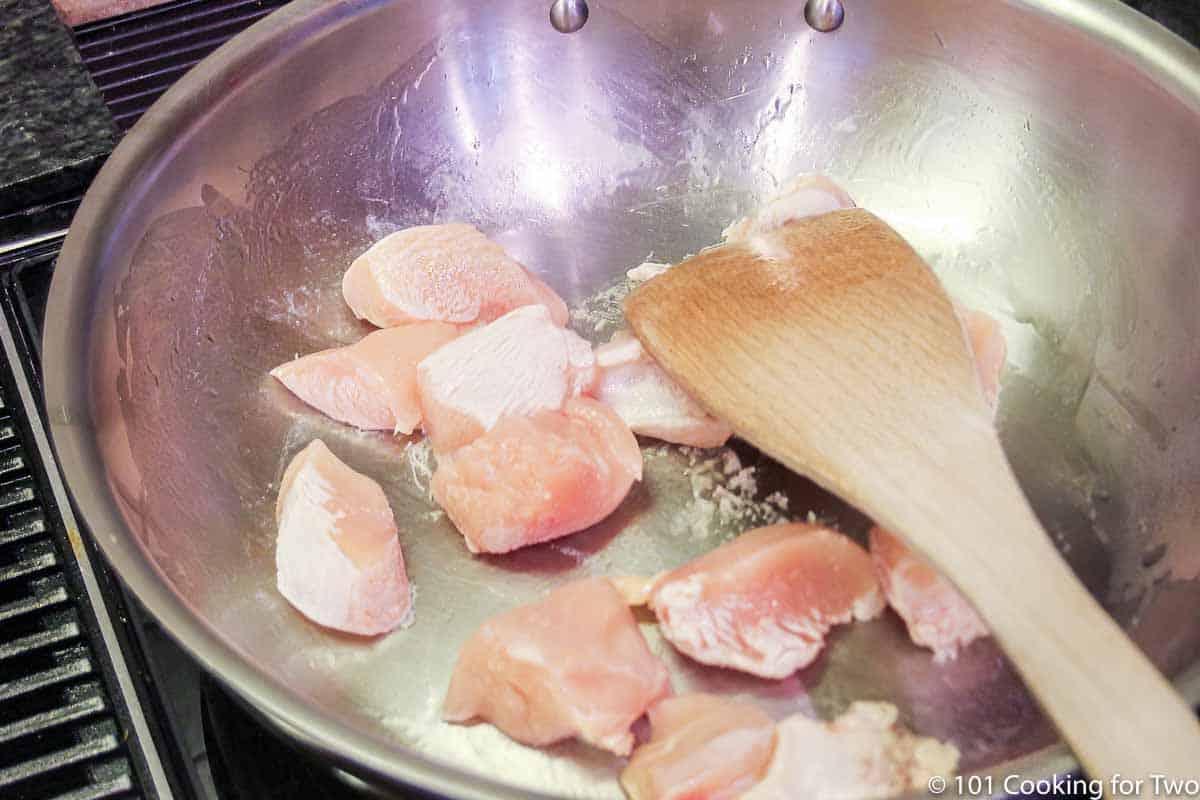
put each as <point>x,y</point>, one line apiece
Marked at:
<point>763,603</point>
<point>990,349</point>
<point>648,400</point>
<point>862,754</point>
<point>936,614</point>
<point>702,747</point>
<point>520,364</point>
<point>338,558</point>
<point>571,664</point>
<point>449,273</point>
<point>371,384</point>
<point>803,196</point>
<point>531,479</point>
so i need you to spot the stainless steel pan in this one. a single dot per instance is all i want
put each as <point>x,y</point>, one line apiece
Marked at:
<point>1045,157</point>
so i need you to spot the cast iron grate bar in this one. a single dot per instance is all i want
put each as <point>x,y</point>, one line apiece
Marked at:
<point>69,665</point>
<point>155,18</point>
<point>136,57</point>
<point>152,68</point>
<point>11,496</point>
<point>57,633</point>
<point>115,51</point>
<point>25,526</point>
<point>50,593</point>
<point>65,724</point>
<point>98,739</point>
<point>35,558</point>
<point>86,706</point>
<point>105,787</point>
<point>11,461</point>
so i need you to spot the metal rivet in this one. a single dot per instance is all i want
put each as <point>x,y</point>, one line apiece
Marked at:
<point>568,16</point>
<point>824,15</point>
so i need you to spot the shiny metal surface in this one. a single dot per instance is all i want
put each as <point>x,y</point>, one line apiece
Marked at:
<point>824,15</point>
<point>568,16</point>
<point>1042,155</point>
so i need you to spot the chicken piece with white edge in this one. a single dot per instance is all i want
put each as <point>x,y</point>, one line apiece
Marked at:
<point>701,746</point>
<point>863,754</point>
<point>520,364</point>
<point>803,196</point>
<point>536,478</point>
<point>337,555</point>
<point>650,402</point>
<point>446,273</point>
<point>570,665</point>
<point>764,602</point>
<point>371,384</point>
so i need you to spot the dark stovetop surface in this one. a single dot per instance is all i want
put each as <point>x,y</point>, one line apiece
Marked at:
<point>1181,16</point>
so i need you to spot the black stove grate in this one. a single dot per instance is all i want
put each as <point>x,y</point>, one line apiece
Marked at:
<point>56,721</point>
<point>136,57</point>
<point>71,724</point>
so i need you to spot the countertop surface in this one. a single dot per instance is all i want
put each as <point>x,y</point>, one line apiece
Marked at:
<point>55,130</point>
<point>54,127</point>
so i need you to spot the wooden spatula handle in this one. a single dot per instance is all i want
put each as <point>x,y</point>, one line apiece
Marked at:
<point>1117,712</point>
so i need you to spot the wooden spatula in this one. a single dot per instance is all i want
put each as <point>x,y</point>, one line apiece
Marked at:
<point>830,345</point>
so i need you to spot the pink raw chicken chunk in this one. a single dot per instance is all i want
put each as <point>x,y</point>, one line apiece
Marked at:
<point>448,273</point>
<point>936,614</point>
<point>803,196</point>
<point>337,557</point>
<point>532,479</point>
<point>862,754</point>
<point>573,664</point>
<point>702,747</point>
<point>990,350</point>
<point>763,603</point>
<point>518,365</point>
<point>371,384</point>
<point>648,400</point>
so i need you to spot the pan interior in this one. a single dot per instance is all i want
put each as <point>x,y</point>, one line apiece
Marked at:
<point>1047,179</point>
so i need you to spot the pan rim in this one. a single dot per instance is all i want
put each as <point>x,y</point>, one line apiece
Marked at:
<point>1164,57</point>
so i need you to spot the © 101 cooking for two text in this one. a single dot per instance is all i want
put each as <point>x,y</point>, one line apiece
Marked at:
<point>1073,786</point>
